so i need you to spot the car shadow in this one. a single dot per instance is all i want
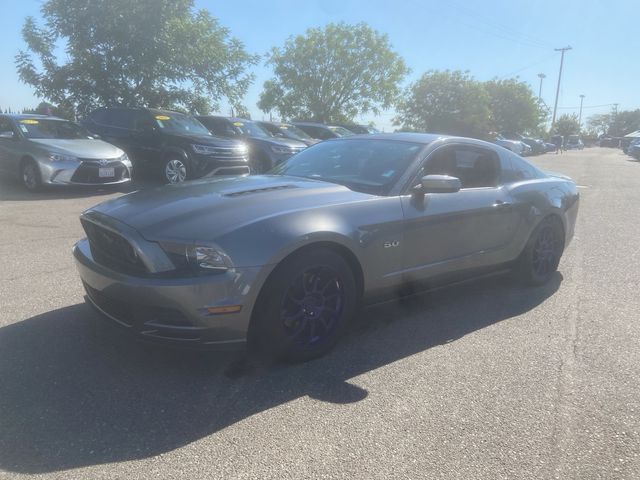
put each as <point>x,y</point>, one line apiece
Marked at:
<point>74,393</point>
<point>14,191</point>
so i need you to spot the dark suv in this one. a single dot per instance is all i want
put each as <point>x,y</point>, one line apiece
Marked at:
<point>173,145</point>
<point>266,151</point>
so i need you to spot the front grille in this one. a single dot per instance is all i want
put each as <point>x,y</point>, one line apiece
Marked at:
<point>227,154</point>
<point>89,172</point>
<point>112,250</point>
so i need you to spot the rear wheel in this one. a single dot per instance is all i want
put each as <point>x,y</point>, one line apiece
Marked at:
<point>540,258</point>
<point>175,170</point>
<point>30,176</point>
<point>305,306</point>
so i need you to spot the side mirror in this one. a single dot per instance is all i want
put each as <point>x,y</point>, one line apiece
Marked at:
<point>8,135</point>
<point>438,184</point>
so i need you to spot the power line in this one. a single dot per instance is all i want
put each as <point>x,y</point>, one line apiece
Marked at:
<point>587,106</point>
<point>499,29</point>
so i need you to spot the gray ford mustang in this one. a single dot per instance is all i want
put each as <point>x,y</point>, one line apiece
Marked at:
<point>284,259</point>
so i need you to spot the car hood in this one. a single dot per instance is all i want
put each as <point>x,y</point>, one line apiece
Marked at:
<point>81,148</point>
<point>208,208</point>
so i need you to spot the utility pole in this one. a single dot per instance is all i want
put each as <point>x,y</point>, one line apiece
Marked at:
<point>580,116</point>
<point>542,76</point>
<point>555,106</point>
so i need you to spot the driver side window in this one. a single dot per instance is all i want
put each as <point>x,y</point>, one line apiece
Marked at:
<point>476,167</point>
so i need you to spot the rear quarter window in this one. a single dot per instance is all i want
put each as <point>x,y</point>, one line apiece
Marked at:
<point>516,169</point>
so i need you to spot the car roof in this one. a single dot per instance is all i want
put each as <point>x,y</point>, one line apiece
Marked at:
<point>311,124</point>
<point>423,138</point>
<point>23,116</point>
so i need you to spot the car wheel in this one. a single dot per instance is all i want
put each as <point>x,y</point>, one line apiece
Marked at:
<point>30,176</point>
<point>305,306</point>
<point>540,258</point>
<point>175,170</point>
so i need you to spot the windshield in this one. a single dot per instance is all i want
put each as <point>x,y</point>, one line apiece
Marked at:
<point>251,129</point>
<point>369,166</point>
<point>179,123</point>
<point>295,131</point>
<point>341,131</point>
<point>49,128</point>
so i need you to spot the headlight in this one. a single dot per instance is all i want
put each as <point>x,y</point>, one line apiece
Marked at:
<point>280,150</point>
<point>125,159</point>
<point>204,149</point>
<point>197,259</point>
<point>59,157</point>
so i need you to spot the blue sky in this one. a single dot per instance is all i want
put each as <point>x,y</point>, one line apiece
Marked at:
<point>495,38</point>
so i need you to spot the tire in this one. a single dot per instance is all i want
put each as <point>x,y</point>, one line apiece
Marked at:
<point>305,306</point>
<point>175,170</point>
<point>30,176</point>
<point>540,258</point>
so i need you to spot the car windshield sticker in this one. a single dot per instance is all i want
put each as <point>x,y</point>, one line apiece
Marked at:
<point>238,124</point>
<point>24,129</point>
<point>162,117</point>
<point>29,121</point>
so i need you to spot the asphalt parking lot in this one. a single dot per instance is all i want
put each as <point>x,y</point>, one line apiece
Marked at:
<point>489,380</point>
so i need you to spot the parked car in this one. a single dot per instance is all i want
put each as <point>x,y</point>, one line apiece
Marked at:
<point>265,150</point>
<point>627,139</point>
<point>573,142</point>
<point>516,146</point>
<point>550,147</point>
<point>359,129</point>
<point>288,130</point>
<point>634,148</point>
<point>283,260</point>
<point>322,131</point>
<point>172,145</point>
<point>44,150</point>
<point>536,144</point>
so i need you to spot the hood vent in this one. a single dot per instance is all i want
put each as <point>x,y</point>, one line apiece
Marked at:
<point>239,193</point>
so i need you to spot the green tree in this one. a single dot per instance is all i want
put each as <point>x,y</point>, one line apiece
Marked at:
<point>46,108</point>
<point>599,123</point>
<point>566,124</point>
<point>449,102</point>
<point>333,74</point>
<point>242,111</point>
<point>514,107</point>
<point>156,53</point>
<point>624,122</point>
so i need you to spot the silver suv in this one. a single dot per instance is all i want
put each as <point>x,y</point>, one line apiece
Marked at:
<point>43,150</point>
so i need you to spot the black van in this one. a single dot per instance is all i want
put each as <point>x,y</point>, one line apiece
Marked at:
<point>172,145</point>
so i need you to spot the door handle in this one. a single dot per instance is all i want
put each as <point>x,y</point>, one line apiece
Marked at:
<point>502,204</point>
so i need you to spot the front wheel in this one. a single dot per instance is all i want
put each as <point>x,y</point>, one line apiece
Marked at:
<point>541,256</point>
<point>175,170</point>
<point>30,176</point>
<point>305,306</point>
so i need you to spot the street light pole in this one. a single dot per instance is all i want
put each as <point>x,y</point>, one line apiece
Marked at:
<point>542,76</point>
<point>555,106</point>
<point>580,116</point>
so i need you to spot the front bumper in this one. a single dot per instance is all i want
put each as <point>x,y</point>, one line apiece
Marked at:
<point>82,173</point>
<point>172,310</point>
